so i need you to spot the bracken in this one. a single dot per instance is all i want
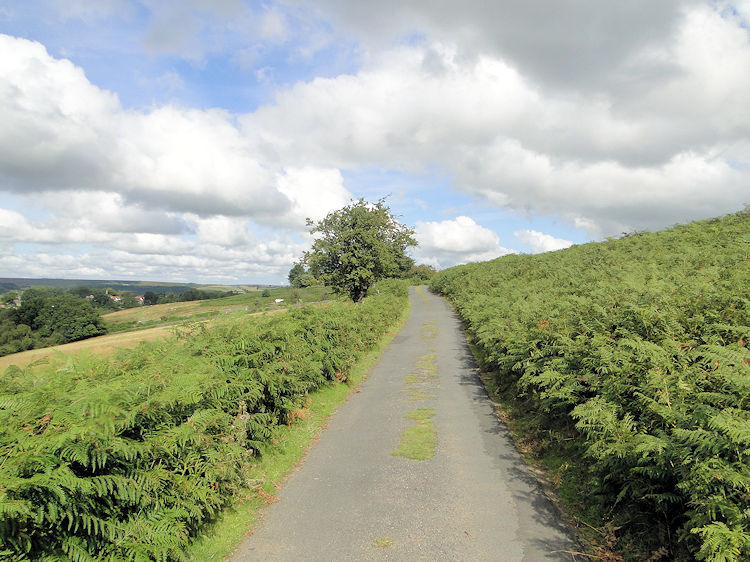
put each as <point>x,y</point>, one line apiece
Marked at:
<point>635,349</point>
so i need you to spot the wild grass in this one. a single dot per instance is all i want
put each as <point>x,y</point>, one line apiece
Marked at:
<point>147,323</point>
<point>102,346</point>
<point>419,441</point>
<point>253,301</point>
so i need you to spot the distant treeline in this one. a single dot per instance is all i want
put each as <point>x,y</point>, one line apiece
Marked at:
<point>137,287</point>
<point>151,297</point>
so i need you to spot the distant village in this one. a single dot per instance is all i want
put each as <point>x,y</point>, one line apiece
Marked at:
<point>118,298</point>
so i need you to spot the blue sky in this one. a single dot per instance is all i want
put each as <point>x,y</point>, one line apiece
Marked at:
<point>206,69</point>
<point>188,141</point>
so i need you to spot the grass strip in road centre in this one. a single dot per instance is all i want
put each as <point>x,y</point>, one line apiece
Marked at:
<point>419,441</point>
<point>382,542</point>
<point>291,443</point>
<point>420,290</point>
<point>425,371</point>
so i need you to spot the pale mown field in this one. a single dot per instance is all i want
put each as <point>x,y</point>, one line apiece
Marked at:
<point>159,311</point>
<point>252,302</point>
<point>102,345</point>
<point>110,343</point>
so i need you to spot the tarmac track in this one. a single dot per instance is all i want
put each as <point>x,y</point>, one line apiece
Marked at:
<point>352,499</point>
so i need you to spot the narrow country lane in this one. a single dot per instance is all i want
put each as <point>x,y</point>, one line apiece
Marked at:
<point>354,499</point>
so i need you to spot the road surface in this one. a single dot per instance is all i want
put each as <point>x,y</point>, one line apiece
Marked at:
<point>353,499</point>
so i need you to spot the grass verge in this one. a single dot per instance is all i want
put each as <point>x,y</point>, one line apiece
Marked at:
<point>420,290</point>
<point>418,395</point>
<point>109,344</point>
<point>290,444</point>
<point>560,471</point>
<point>424,371</point>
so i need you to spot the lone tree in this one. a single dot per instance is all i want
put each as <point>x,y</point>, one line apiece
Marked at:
<point>358,245</point>
<point>299,277</point>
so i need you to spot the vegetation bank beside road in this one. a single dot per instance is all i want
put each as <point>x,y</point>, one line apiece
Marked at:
<point>130,458</point>
<point>625,367</point>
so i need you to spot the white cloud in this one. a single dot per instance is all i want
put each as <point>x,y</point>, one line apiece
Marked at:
<point>313,193</point>
<point>43,264</point>
<point>605,197</point>
<point>461,240</point>
<point>137,185</point>
<point>170,81</point>
<point>541,242</point>
<point>398,112</point>
<point>676,151</point>
<point>70,228</point>
<point>174,26</point>
<point>106,212</point>
<point>640,122</point>
<point>573,44</point>
<point>273,25</point>
<point>145,243</point>
<point>62,133</point>
<point>194,161</point>
<point>53,132</point>
<point>14,226</point>
<point>223,231</point>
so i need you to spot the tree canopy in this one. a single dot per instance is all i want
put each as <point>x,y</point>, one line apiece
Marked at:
<point>358,245</point>
<point>47,317</point>
<point>299,277</point>
<point>423,272</point>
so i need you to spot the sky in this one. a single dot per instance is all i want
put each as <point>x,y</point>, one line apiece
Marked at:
<point>190,140</point>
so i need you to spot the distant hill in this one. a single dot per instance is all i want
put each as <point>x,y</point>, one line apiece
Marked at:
<point>139,287</point>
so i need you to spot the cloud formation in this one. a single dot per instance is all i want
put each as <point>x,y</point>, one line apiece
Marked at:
<point>141,181</point>
<point>62,133</point>
<point>561,44</point>
<point>541,242</point>
<point>677,151</point>
<point>451,242</point>
<point>610,118</point>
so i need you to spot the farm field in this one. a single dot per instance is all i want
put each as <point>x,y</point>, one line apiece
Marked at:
<point>624,365</point>
<point>252,301</point>
<point>164,312</point>
<point>102,346</point>
<point>147,323</point>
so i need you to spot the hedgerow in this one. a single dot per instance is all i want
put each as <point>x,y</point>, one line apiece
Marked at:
<point>634,350</point>
<point>125,459</point>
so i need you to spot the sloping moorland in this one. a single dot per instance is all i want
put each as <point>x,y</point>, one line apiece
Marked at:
<point>625,364</point>
<point>128,458</point>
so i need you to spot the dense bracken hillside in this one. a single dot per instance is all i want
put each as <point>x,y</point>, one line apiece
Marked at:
<point>633,353</point>
<point>127,459</point>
